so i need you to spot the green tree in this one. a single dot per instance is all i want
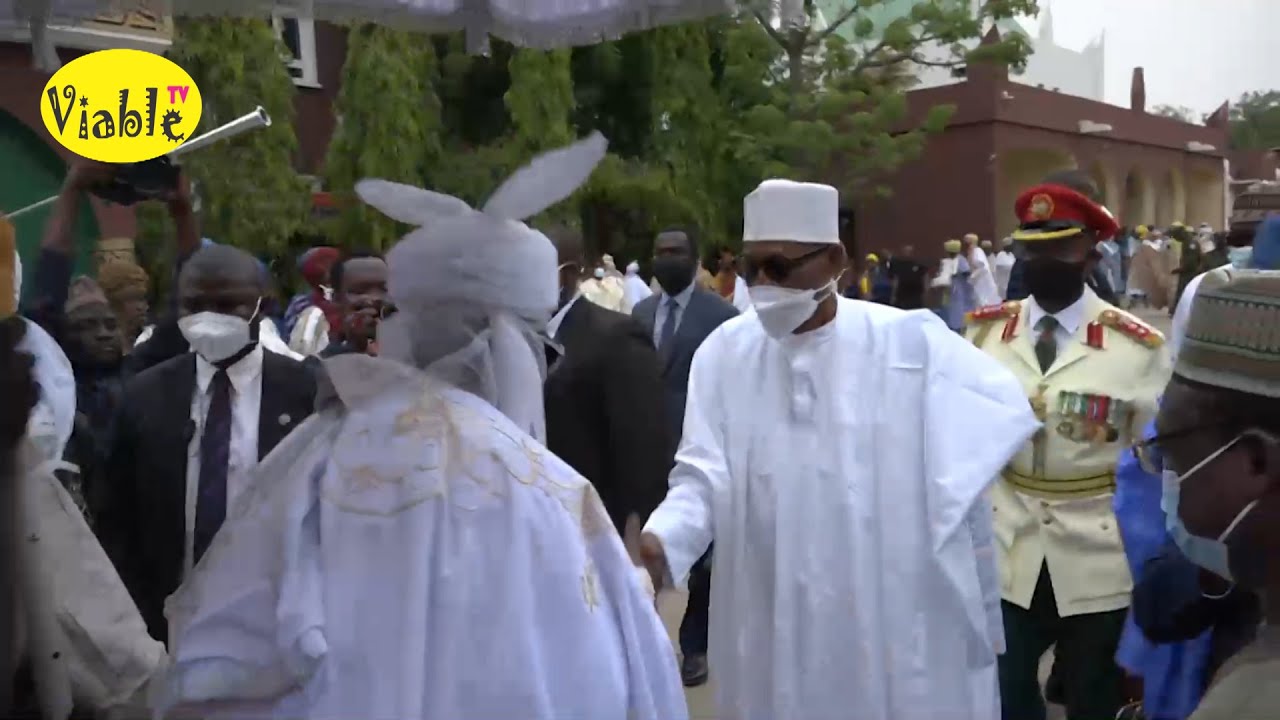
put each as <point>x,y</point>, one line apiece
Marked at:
<point>388,126</point>
<point>251,197</point>
<point>1255,121</point>
<point>838,103</point>
<point>539,102</point>
<point>1177,112</point>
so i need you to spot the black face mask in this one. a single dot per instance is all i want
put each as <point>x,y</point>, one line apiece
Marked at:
<point>673,273</point>
<point>1052,282</point>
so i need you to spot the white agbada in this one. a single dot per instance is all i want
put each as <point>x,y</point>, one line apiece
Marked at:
<point>634,288</point>
<point>87,642</point>
<point>985,290</point>
<point>412,551</point>
<point>855,574</point>
<point>413,554</point>
<point>741,294</point>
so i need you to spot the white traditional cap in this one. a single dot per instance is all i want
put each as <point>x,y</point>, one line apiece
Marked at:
<point>783,210</point>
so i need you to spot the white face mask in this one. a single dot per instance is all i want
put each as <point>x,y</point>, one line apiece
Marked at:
<point>599,273</point>
<point>782,310</point>
<point>1240,257</point>
<point>1212,554</point>
<point>215,336</point>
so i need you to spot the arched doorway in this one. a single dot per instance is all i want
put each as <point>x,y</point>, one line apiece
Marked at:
<point>1170,199</point>
<point>1205,199</point>
<point>32,171</point>
<point>1020,169</point>
<point>1106,185</point>
<point>1138,208</point>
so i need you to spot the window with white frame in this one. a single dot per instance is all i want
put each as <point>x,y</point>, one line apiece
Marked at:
<point>299,37</point>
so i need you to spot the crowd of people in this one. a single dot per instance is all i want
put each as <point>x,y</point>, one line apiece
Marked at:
<point>448,483</point>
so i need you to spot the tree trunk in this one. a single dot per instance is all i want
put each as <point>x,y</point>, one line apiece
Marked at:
<point>795,67</point>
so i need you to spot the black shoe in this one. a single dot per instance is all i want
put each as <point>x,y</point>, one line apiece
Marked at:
<point>693,671</point>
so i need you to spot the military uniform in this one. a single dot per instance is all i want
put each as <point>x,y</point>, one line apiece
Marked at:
<point>1064,576</point>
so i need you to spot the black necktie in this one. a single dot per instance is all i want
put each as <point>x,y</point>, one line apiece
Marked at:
<point>215,455</point>
<point>669,325</point>
<point>1046,342</point>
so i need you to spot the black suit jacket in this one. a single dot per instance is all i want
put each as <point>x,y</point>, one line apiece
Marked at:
<point>604,408</point>
<point>704,313</point>
<point>141,511</point>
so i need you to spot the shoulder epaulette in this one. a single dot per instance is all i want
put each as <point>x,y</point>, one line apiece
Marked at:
<point>993,312</point>
<point>1136,329</point>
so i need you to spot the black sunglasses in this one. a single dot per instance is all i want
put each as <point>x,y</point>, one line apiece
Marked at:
<point>777,267</point>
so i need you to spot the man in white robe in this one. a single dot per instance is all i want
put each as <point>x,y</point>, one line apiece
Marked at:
<point>855,571</point>
<point>981,275</point>
<point>634,287</point>
<point>413,551</point>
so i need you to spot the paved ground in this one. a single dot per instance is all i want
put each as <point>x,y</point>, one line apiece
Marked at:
<point>701,705</point>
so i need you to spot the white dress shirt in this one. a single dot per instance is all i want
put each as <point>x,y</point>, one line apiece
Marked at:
<point>1069,318</point>
<point>246,401</point>
<point>662,317</point>
<point>553,325</point>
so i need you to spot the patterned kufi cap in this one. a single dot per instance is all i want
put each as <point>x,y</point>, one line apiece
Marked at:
<point>1233,335</point>
<point>83,291</point>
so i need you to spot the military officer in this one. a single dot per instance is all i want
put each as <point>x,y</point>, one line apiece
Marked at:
<point>1092,373</point>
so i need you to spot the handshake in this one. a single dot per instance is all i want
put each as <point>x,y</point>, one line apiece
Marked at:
<point>646,553</point>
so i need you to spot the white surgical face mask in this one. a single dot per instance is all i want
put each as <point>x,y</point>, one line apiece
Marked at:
<point>782,310</point>
<point>1240,257</point>
<point>215,336</point>
<point>1212,554</point>
<point>599,273</point>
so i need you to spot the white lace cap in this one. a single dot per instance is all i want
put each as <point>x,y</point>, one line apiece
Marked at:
<point>475,287</point>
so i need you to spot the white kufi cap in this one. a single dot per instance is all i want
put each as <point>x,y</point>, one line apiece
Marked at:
<point>476,286</point>
<point>783,210</point>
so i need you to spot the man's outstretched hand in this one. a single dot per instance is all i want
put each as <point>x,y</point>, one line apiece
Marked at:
<point>645,550</point>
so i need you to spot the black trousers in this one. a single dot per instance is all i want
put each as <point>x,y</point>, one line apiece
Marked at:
<point>693,627</point>
<point>1092,683</point>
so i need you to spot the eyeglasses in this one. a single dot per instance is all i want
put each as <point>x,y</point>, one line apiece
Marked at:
<point>1149,454</point>
<point>777,267</point>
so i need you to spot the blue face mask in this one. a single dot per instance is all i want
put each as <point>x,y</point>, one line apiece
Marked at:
<point>1212,554</point>
<point>1240,257</point>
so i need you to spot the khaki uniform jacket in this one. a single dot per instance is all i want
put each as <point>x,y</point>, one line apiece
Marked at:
<point>1054,502</point>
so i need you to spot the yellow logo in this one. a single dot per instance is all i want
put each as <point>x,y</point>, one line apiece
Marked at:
<point>120,106</point>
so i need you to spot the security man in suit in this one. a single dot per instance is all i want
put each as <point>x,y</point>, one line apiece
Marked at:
<point>1092,373</point>
<point>679,317</point>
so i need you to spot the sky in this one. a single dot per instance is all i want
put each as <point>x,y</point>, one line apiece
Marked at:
<point>1196,53</point>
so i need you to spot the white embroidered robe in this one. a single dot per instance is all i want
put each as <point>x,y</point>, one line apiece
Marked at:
<point>411,554</point>
<point>855,574</point>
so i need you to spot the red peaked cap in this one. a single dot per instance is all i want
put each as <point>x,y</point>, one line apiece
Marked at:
<point>1051,211</point>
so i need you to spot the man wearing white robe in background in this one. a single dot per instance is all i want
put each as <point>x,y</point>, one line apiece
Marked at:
<point>413,552</point>
<point>634,287</point>
<point>855,569</point>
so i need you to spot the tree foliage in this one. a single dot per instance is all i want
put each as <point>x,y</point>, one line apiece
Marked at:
<point>1178,112</point>
<point>1255,121</point>
<point>249,193</point>
<point>696,115</point>
<point>388,126</point>
<point>837,110</point>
